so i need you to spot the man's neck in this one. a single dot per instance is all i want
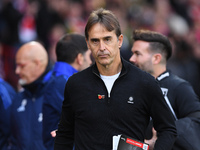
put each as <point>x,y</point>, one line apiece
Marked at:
<point>110,70</point>
<point>159,70</point>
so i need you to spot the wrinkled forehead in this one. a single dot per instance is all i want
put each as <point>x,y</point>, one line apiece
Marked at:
<point>99,30</point>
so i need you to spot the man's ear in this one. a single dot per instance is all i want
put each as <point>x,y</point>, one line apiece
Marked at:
<point>120,40</point>
<point>37,62</point>
<point>157,58</point>
<point>87,43</point>
<point>80,59</point>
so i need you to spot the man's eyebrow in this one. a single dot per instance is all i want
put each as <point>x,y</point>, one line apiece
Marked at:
<point>136,51</point>
<point>107,37</point>
<point>94,39</point>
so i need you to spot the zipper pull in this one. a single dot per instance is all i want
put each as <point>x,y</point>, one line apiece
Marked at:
<point>108,97</point>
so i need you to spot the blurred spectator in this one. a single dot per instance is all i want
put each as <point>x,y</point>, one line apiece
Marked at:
<point>48,16</point>
<point>27,25</point>
<point>57,31</point>
<point>9,17</point>
<point>7,95</point>
<point>72,56</point>
<point>182,9</point>
<point>76,22</point>
<point>183,63</point>
<point>90,5</point>
<point>8,62</point>
<point>26,117</point>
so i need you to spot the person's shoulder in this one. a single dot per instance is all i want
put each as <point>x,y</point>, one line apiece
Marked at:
<point>128,65</point>
<point>175,83</point>
<point>138,76</point>
<point>176,80</point>
<point>78,78</point>
<point>7,93</point>
<point>137,72</point>
<point>59,79</point>
<point>48,76</point>
<point>7,88</point>
<point>5,84</point>
<point>82,74</point>
<point>56,83</point>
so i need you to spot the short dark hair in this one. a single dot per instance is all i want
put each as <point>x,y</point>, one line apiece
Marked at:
<point>104,17</point>
<point>69,46</point>
<point>158,41</point>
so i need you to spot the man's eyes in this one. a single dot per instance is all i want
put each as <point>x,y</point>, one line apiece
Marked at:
<point>21,65</point>
<point>95,41</point>
<point>136,53</point>
<point>107,39</point>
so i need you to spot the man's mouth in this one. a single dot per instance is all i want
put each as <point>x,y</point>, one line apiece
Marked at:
<point>102,56</point>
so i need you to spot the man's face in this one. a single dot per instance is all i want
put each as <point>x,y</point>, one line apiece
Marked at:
<point>103,44</point>
<point>141,56</point>
<point>26,69</point>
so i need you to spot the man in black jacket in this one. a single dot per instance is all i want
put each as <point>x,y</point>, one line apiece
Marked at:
<point>151,50</point>
<point>111,97</point>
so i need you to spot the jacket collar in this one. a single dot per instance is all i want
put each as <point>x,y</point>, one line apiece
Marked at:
<point>163,75</point>
<point>63,68</point>
<point>123,71</point>
<point>32,87</point>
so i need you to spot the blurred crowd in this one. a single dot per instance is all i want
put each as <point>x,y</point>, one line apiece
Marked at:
<point>46,21</point>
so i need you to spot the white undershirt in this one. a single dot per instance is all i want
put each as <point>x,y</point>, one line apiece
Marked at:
<point>109,81</point>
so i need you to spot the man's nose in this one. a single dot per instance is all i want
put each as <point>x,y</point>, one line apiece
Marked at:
<point>102,46</point>
<point>17,70</point>
<point>132,59</point>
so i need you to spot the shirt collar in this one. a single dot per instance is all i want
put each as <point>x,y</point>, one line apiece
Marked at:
<point>163,75</point>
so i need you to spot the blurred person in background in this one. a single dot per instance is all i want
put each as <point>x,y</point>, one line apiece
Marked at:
<point>26,117</point>
<point>184,61</point>
<point>72,56</point>
<point>7,95</point>
<point>151,51</point>
<point>57,31</point>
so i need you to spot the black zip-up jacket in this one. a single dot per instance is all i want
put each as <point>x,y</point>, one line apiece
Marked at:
<point>180,94</point>
<point>90,117</point>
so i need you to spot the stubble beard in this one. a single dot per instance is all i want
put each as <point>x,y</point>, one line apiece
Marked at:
<point>22,82</point>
